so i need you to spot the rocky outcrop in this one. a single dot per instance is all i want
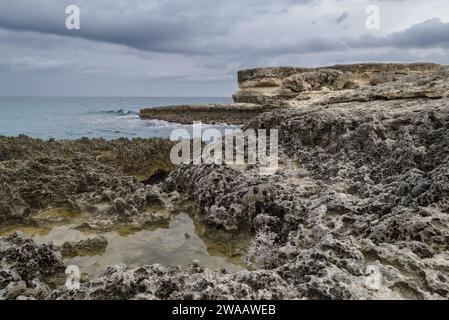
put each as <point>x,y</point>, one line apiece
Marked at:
<point>413,85</point>
<point>271,86</point>
<point>137,157</point>
<point>262,89</point>
<point>93,176</point>
<point>230,203</point>
<point>28,270</point>
<point>194,282</point>
<point>234,114</point>
<point>89,247</point>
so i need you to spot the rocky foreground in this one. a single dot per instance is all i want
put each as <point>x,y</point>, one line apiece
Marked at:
<point>363,184</point>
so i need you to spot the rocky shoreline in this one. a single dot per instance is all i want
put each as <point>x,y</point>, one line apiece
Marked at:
<point>362,184</point>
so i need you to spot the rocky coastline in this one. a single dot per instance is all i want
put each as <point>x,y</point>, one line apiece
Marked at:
<point>362,183</point>
<point>264,89</point>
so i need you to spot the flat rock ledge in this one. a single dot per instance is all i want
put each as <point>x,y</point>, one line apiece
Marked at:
<point>233,113</point>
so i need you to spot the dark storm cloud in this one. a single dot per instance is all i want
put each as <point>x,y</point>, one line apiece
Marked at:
<point>430,33</point>
<point>197,27</point>
<point>176,26</point>
<point>107,24</point>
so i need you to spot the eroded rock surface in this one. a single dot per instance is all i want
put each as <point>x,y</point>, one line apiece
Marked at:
<point>27,269</point>
<point>95,176</point>
<point>275,85</point>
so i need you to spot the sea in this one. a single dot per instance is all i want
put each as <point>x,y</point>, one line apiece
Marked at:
<point>96,117</point>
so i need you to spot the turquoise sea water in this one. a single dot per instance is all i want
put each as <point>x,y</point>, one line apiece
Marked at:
<point>71,118</point>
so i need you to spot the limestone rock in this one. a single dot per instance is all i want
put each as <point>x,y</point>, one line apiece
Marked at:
<point>272,86</point>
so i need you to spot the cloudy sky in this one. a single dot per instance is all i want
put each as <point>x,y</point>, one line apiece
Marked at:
<point>194,48</point>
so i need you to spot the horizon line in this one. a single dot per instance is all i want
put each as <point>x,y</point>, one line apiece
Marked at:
<point>1,96</point>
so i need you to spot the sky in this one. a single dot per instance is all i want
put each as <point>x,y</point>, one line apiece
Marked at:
<point>195,48</point>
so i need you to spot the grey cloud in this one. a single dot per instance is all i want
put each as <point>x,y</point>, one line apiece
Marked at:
<point>176,26</point>
<point>430,33</point>
<point>336,18</point>
<point>342,17</point>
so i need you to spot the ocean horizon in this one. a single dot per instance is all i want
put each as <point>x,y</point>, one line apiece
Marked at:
<point>92,117</point>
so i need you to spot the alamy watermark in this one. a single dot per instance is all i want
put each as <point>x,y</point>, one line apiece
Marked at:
<point>372,22</point>
<point>235,147</point>
<point>73,21</point>
<point>73,276</point>
<point>374,277</point>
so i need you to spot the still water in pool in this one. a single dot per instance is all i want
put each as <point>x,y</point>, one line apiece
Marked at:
<point>176,242</point>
